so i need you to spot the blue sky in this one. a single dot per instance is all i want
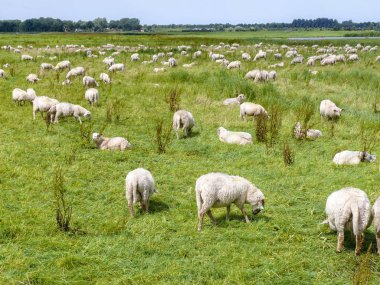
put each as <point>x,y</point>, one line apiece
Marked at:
<point>193,11</point>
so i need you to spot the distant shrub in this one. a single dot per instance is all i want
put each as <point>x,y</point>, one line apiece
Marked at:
<point>261,128</point>
<point>162,136</point>
<point>113,111</point>
<point>288,155</point>
<point>174,99</point>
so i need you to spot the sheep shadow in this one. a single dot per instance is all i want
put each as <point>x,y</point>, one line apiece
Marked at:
<point>157,206</point>
<point>222,222</point>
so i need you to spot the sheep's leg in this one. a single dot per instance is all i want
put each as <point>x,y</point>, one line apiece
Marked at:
<point>143,206</point>
<point>242,209</point>
<point>176,132</point>
<point>228,208</point>
<point>211,217</point>
<point>359,243</point>
<point>34,114</point>
<point>378,242</point>
<point>80,121</point>
<point>339,247</point>
<point>200,217</point>
<point>130,208</point>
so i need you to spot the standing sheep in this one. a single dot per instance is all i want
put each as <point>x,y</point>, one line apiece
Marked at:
<point>67,110</point>
<point>215,190</point>
<point>43,104</point>
<point>2,73</point>
<point>105,78</point>
<point>329,110</point>
<point>229,137</point>
<point>32,78</point>
<point>172,62</point>
<point>116,67</point>
<point>74,72</point>
<point>116,143</point>
<point>139,185</point>
<point>89,81</point>
<point>135,57</point>
<point>234,64</point>
<point>348,209</point>
<point>251,109</point>
<point>62,65</point>
<point>20,96</point>
<point>92,96</point>
<point>185,120</point>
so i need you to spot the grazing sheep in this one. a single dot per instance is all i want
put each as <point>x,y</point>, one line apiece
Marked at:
<point>172,62</point>
<point>235,101</point>
<point>196,54</point>
<point>348,209</point>
<point>89,81</point>
<point>329,110</point>
<point>43,104</point>
<point>299,132</point>
<point>311,62</point>
<point>26,57</point>
<point>2,73</point>
<point>105,78</point>
<point>135,57</point>
<point>348,157</point>
<point>185,120</point>
<point>67,110</point>
<point>188,65</point>
<point>234,64</point>
<point>46,66</point>
<point>229,137</point>
<point>262,76</point>
<point>272,75</point>
<point>74,72</point>
<point>251,109</point>
<point>278,56</point>
<point>259,55</point>
<point>109,61</point>
<point>291,53</point>
<point>252,74</point>
<point>376,222</point>
<point>116,67</point>
<point>116,143</point>
<point>215,56</point>
<point>297,59</point>
<point>139,185</point>
<point>62,65</point>
<point>341,58</point>
<point>155,58</point>
<point>32,78</point>
<point>19,95</point>
<point>215,190</point>
<point>353,57</point>
<point>280,64</point>
<point>92,96</point>
<point>377,59</point>
<point>330,60</point>
<point>246,56</point>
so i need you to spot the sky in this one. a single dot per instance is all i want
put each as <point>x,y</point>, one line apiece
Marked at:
<point>193,11</point>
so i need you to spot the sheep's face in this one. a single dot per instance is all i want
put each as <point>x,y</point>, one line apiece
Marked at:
<point>241,98</point>
<point>337,111</point>
<point>256,198</point>
<point>87,115</point>
<point>369,157</point>
<point>95,136</point>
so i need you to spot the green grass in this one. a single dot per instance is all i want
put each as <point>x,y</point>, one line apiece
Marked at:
<point>283,245</point>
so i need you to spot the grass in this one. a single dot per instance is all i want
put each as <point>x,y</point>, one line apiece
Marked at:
<point>283,245</point>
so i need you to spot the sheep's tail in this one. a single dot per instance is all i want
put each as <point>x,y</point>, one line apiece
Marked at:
<point>355,219</point>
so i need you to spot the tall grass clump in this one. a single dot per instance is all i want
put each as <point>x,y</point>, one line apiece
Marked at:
<point>363,272</point>
<point>63,208</point>
<point>162,136</point>
<point>113,111</point>
<point>304,114</point>
<point>261,128</point>
<point>275,121</point>
<point>288,154</point>
<point>174,99</point>
<point>85,133</point>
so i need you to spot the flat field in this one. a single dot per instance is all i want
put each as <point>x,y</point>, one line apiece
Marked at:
<point>285,244</point>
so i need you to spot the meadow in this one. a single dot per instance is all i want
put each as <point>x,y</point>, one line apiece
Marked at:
<point>285,244</point>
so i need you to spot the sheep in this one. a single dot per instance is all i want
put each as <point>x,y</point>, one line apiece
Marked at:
<point>196,54</point>
<point>376,222</point>
<point>280,64</point>
<point>66,82</point>
<point>155,58</point>
<point>214,190</point>
<point>278,56</point>
<point>74,72</point>
<point>262,76</point>
<point>32,78</point>
<point>2,73</point>
<point>215,56</point>
<point>259,55</point>
<point>330,60</point>
<point>89,81</point>
<point>252,74</point>
<point>299,132</point>
<point>341,58</point>
<point>185,120</point>
<point>297,59</point>
<point>348,157</point>
<point>223,61</point>
<point>135,57</point>
<point>246,56</point>
<point>43,104</point>
<point>26,57</point>
<point>116,67</point>
<point>159,69</point>
<point>353,57</point>
<point>92,96</point>
<point>272,75</point>
<point>184,53</point>
<point>235,101</point>
<point>139,186</point>
<point>109,61</point>
<point>311,62</point>
<point>291,53</point>
<point>329,110</point>
<point>377,59</point>
<point>62,65</point>
<point>251,109</point>
<point>116,143</point>
<point>188,65</point>
<point>67,109</point>
<point>229,137</point>
<point>19,95</point>
<point>348,209</point>
<point>105,78</point>
<point>7,65</point>
<point>172,62</point>
<point>45,66</point>
<point>234,64</point>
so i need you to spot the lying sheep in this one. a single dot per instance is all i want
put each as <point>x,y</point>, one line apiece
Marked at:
<point>185,120</point>
<point>74,72</point>
<point>116,67</point>
<point>159,69</point>
<point>116,143</point>
<point>348,209</point>
<point>139,186</point>
<point>234,64</point>
<point>376,222</point>
<point>105,78</point>
<point>92,96</point>
<point>300,133</point>
<point>349,157</point>
<point>235,101</point>
<point>229,137</point>
<point>89,81</point>
<point>329,110</point>
<point>188,65</point>
<point>251,109</point>
<point>214,190</point>
<point>32,78</point>
<point>67,110</point>
<point>21,96</point>
<point>66,82</point>
<point>43,104</point>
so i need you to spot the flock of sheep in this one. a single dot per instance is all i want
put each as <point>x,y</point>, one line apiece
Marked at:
<point>348,208</point>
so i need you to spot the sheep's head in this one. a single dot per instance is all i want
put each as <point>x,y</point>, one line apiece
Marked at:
<point>87,114</point>
<point>256,198</point>
<point>241,98</point>
<point>368,157</point>
<point>221,131</point>
<point>337,111</point>
<point>97,137</point>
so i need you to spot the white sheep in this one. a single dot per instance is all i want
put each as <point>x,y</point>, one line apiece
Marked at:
<point>272,75</point>
<point>135,57</point>
<point>229,137</point>
<point>46,66</point>
<point>297,59</point>
<point>311,62</point>
<point>349,157</point>
<point>353,57</point>
<point>235,101</point>
<point>2,73</point>
<point>329,110</point>
<point>67,110</point>
<point>234,64</point>
<point>215,190</point>
<point>376,222</point>
<point>299,132</point>
<point>251,109</point>
<point>32,78</point>
<point>348,209</point>
<point>21,96</point>
<point>159,69</point>
<point>26,57</point>
<point>246,56</point>
<point>62,65</point>
<point>155,58</point>
<point>116,67</point>
<point>185,120</point>
<point>74,72</point>
<point>89,81</point>
<point>92,96</point>
<point>259,55</point>
<point>105,78</point>
<point>188,65</point>
<point>116,143</point>
<point>43,104</point>
<point>330,60</point>
<point>278,56</point>
<point>109,61</point>
<point>139,186</point>
<point>196,54</point>
<point>172,62</point>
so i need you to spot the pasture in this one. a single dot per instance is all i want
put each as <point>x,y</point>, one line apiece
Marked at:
<point>285,244</point>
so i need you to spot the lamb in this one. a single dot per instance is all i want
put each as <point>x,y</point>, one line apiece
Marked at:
<point>251,109</point>
<point>240,138</point>
<point>2,73</point>
<point>329,110</point>
<point>116,143</point>
<point>116,67</point>
<point>62,65</point>
<point>26,57</point>
<point>66,110</point>
<point>172,62</point>
<point>92,96</point>
<point>89,81</point>
<point>300,133</point>
<point>214,190</point>
<point>376,222</point>
<point>185,120</point>
<point>246,56</point>
<point>139,185</point>
<point>43,104</point>
<point>45,66</point>
<point>135,57</point>
<point>348,209</point>
<point>32,78</point>
<point>234,64</point>
<point>19,95</point>
<point>348,157</point>
<point>259,55</point>
<point>74,72</point>
<point>235,101</point>
<point>105,78</point>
